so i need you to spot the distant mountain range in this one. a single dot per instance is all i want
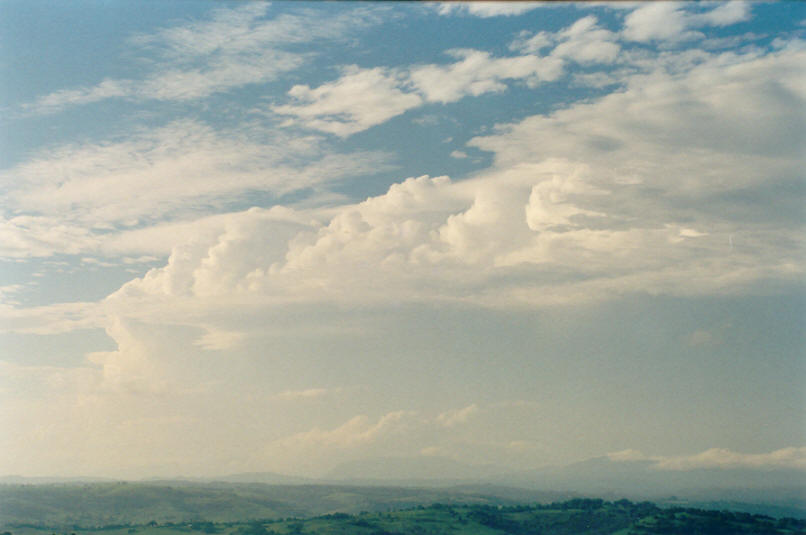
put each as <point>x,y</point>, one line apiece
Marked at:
<point>602,474</point>
<point>406,470</point>
<point>25,480</point>
<point>738,488</point>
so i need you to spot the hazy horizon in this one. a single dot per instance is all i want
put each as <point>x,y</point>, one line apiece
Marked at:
<point>280,237</point>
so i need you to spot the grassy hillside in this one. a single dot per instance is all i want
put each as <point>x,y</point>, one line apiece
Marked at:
<point>575,517</point>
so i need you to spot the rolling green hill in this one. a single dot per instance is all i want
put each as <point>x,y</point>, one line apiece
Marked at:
<point>574,517</point>
<point>99,504</point>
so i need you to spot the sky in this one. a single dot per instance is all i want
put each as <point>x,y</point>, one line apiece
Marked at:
<point>252,236</point>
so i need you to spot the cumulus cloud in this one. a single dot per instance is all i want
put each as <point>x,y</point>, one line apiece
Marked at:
<point>130,366</point>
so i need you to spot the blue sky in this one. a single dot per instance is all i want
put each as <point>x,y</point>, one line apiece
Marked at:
<point>303,234</point>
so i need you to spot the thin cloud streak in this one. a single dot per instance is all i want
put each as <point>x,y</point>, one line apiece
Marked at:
<point>236,47</point>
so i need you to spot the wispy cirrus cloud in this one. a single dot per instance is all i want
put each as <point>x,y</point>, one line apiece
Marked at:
<point>234,47</point>
<point>70,197</point>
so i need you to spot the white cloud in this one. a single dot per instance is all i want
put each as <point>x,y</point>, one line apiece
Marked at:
<point>216,77</point>
<point>586,42</point>
<point>161,238</point>
<point>25,236</point>
<point>52,319</point>
<point>785,458</point>
<point>549,204</point>
<point>359,99</point>
<point>727,13</point>
<point>671,21</point>
<point>477,73</point>
<point>487,9</point>
<point>532,44</point>
<point>152,172</point>
<point>656,21</point>
<point>131,366</point>
<point>583,42</point>
<point>362,98</point>
<point>702,111</point>
<point>65,97</point>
